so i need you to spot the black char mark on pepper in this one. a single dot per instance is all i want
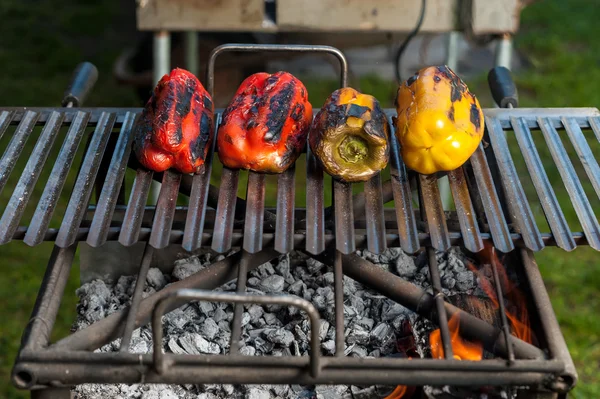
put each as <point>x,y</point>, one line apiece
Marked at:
<point>475,116</point>
<point>378,125</point>
<point>357,110</point>
<point>451,113</point>
<point>279,107</point>
<point>412,79</point>
<point>291,148</point>
<point>198,146</point>
<point>297,112</point>
<point>207,102</point>
<point>458,87</point>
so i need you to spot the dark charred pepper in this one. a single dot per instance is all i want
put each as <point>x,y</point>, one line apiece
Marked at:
<point>175,129</point>
<point>265,126</point>
<point>350,135</point>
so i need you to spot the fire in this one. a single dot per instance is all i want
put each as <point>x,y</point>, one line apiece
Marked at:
<point>462,349</point>
<point>401,391</point>
<point>517,317</point>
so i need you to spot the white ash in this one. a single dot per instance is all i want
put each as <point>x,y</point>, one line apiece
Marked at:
<point>370,320</point>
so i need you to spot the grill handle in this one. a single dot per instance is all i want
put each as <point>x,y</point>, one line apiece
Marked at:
<point>503,88</point>
<point>83,79</point>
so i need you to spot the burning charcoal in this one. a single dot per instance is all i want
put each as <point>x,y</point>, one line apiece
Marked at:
<point>255,313</point>
<point>257,393</point>
<point>272,284</point>
<point>297,287</point>
<point>397,322</point>
<point>174,347</point>
<point>209,328</point>
<point>186,267</point>
<point>405,265</point>
<point>365,322</point>
<point>329,346</point>
<point>323,328</point>
<point>263,346</point>
<point>155,278</point>
<point>219,315</point>
<point>358,335</point>
<point>448,282</point>
<point>358,351</point>
<point>187,343</point>
<point>280,336</point>
<point>464,280</point>
<point>391,310</point>
<point>253,282</point>
<point>204,346</point>
<point>206,308</point>
<point>313,265</point>
<point>176,318</point>
<point>247,350</point>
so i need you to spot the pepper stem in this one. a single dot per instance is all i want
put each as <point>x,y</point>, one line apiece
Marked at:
<point>353,149</point>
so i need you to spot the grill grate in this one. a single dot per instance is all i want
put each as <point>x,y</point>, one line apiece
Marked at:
<point>216,218</point>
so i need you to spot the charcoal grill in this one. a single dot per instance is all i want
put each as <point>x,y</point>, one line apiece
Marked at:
<point>490,207</point>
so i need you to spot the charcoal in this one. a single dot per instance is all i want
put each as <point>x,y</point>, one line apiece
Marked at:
<point>174,347</point>
<point>314,265</point>
<point>301,335</point>
<point>256,333</point>
<point>329,346</point>
<point>280,336</point>
<point>349,286</point>
<point>155,278</point>
<point>219,315</point>
<point>245,318</point>
<point>258,393</point>
<point>209,328</point>
<point>222,339</point>
<point>271,319</point>
<point>448,282</point>
<point>260,323</point>
<point>255,313</point>
<point>187,343</point>
<point>359,351</point>
<point>375,353</point>
<point>358,335</point>
<point>139,345</point>
<point>381,334</point>
<point>125,285</point>
<point>204,346</point>
<point>324,298</point>
<point>405,266</point>
<point>464,280</point>
<point>365,322</point>
<point>330,391</point>
<point>350,312</point>
<point>281,390</point>
<point>391,310</point>
<point>263,345</point>
<point>207,395</point>
<point>253,282</point>
<point>296,288</point>
<point>272,283</point>
<point>247,350</point>
<point>283,265</point>
<point>357,303</point>
<point>328,278</point>
<point>323,328</point>
<point>186,267</point>
<point>206,308</point>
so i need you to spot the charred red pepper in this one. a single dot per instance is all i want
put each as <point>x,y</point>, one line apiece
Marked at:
<point>175,129</point>
<point>265,126</point>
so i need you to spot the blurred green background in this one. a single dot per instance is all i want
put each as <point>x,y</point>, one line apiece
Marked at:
<point>41,42</point>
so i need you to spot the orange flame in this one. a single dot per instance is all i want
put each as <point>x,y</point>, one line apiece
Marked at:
<point>519,317</point>
<point>401,391</point>
<point>463,350</point>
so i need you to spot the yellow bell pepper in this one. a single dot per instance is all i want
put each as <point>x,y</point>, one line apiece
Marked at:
<point>440,123</point>
<point>349,136</point>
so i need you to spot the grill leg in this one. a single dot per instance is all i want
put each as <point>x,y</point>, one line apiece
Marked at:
<point>51,393</point>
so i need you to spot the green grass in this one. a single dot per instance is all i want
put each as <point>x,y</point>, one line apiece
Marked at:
<point>39,48</point>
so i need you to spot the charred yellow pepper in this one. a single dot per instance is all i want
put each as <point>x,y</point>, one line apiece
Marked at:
<point>440,123</point>
<point>350,135</point>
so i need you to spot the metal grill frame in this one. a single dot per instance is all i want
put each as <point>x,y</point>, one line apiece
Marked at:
<point>267,233</point>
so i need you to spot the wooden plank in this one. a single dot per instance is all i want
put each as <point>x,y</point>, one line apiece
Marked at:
<point>493,16</point>
<point>200,15</point>
<point>360,15</point>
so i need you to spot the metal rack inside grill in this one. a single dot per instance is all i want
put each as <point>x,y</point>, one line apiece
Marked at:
<point>490,205</point>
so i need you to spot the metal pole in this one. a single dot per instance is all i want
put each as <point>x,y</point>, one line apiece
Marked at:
<point>191,52</point>
<point>160,67</point>
<point>504,51</point>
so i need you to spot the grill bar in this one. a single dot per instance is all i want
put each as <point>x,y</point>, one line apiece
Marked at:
<point>5,118</point>
<point>194,224</point>
<point>24,188</point>
<point>315,215</point>
<point>112,185</point>
<point>518,205</point>
<point>225,210</point>
<point>165,210</point>
<point>374,214</point>
<point>238,309</point>
<point>490,201</point>
<point>338,280</point>
<point>503,319</point>
<point>434,212</point>
<point>464,210</point>
<point>595,125</point>
<point>573,185</point>
<point>405,216</point>
<point>286,192</point>
<point>16,145</point>
<point>255,208</point>
<point>47,203</point>
<point>438,297</point>
<point>85,181</point>
<point>132,221</point>
<point>584,152</point>
<point>554,215</point>
<point>344,217</point>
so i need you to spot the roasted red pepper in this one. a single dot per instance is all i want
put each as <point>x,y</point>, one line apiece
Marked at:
<point>175,129</point>
<point>265,126</point>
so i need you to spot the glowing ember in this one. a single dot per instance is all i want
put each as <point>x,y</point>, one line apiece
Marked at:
<point>462,349</point>
<point>401,391</point>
